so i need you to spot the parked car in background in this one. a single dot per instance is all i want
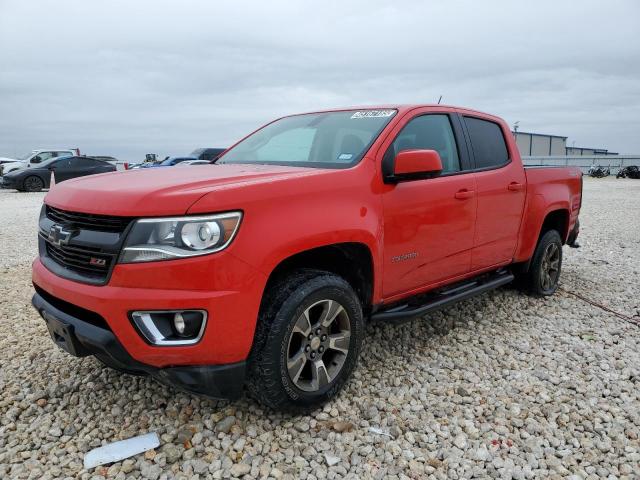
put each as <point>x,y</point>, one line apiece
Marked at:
<point>36,178</point>
<point>168,162</point>
<point>207,153</point>
<point>119,164</point>
<point>104,158</point>
<point>194,162</point>
<point>35,157</point>
<point>262,271</point>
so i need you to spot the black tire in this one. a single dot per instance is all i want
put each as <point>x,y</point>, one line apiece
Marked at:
<point>32,184</point>
<point>534,280</point>
<point>268,376</point>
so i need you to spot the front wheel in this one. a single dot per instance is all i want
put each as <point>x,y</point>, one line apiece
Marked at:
<point>307,341</point>
<point>32,184</point>
<point>544,272</point>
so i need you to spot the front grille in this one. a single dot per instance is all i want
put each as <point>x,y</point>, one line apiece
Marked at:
<point>88,221</point>
<point>83,260</point>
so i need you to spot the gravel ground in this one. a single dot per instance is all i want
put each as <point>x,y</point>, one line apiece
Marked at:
<point>501,386</point>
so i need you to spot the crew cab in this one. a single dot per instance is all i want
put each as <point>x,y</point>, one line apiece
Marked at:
<point>34,158</point>
<point>259,274</point>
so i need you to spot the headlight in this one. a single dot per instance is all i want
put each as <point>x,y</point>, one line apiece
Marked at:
<point>153,239</point>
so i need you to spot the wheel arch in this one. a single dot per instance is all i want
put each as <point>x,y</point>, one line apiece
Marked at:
<point>557,219</point>
<point>353,261</point>
<point>554,219</point>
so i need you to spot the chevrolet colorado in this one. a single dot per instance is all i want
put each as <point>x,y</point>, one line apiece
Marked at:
<point>260,271</point>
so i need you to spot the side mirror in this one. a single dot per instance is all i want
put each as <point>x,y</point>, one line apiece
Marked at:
<point>416,164</point>
<point>36,159</point>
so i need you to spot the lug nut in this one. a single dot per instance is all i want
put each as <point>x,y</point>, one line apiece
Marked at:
<point>323,338</point>
<point>321,349</point>
<point>307,348</point>
<point>313,354</point>
<point>318,331</point>
<point>310,337</point>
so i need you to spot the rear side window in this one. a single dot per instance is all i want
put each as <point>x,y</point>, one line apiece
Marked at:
<point>80,162</point>
<point>487,142</point>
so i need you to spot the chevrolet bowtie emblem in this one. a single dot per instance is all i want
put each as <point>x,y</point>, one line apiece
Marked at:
<point>58,235</point>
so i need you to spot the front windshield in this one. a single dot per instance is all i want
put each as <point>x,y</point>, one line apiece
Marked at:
<point>325,140</point>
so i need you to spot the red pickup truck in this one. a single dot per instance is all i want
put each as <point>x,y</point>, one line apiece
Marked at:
<point>260,271</point>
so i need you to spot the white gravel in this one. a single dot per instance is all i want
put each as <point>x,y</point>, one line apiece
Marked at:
<point>501,386</point>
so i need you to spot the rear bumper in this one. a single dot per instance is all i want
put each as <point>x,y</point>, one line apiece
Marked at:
<point>80,338</point>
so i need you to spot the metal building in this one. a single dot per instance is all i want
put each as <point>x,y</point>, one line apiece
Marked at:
<point>581,151</point>
<point>538,144</point>
<point>541,145</point>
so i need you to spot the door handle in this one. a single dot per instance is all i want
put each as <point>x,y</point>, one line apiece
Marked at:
<point>464,194</point>
<point>515,186</point>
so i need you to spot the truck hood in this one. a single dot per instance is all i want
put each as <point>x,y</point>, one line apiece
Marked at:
<point>161,191</point>
<point>7,159</point>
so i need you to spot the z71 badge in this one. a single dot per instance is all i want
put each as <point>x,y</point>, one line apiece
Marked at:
<point>403,257</point>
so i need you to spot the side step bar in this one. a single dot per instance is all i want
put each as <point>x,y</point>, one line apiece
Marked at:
<point>438,300</point>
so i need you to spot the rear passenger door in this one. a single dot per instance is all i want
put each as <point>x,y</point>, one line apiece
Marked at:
<point>428,223</point>
<point>501,190</point>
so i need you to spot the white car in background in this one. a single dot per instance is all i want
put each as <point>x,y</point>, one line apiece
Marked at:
<point>33,158</point>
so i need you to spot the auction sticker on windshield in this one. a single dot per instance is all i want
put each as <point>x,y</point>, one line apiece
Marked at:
<point>373,113</point>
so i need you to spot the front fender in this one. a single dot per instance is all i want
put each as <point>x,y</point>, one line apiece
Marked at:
<point>284,218</point>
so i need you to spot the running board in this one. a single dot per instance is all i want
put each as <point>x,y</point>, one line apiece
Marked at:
<point>443,298</point>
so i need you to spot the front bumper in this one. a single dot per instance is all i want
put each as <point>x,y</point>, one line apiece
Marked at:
<point>81,337</point>
<point>7,183</point>
<point>228,289</point>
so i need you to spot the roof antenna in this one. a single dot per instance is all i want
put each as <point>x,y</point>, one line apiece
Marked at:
<point>440,99</point>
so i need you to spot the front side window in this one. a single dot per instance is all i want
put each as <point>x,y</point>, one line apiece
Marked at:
<point>487,142</point>
<point>321,140</point>
<point>62,164</point>
<point>428,132</point>
<point>43,156</point>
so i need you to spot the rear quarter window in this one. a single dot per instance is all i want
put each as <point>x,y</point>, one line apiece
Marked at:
<point>487,142</point>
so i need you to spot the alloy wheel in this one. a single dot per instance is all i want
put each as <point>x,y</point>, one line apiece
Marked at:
<point>318,345</point>
<point>550,269</point>
<point>32,184</point>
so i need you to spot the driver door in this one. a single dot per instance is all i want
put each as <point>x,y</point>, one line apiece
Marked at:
<point>428,223</point>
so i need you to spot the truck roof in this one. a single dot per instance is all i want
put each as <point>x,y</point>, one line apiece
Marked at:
<point>402,108</point>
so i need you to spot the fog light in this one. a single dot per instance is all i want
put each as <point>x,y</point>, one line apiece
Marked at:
<point>170,327</point>
<point>178,322</point>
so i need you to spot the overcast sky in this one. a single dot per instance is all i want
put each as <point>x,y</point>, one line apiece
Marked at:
<point>126,78</point>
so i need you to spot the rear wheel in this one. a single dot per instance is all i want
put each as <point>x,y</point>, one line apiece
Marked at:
<point>544,272</point>
<point>307,341</point>
<point>32,184</point>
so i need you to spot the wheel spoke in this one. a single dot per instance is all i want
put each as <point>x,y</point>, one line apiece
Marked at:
<point>330,312</point>
<point>295,365</point>
<point>340,342</point>
<point>303,325</point>
<point>319,375</point>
